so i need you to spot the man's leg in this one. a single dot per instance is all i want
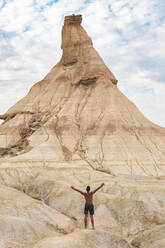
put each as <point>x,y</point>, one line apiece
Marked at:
<point>92,221</point>
<point>85,220</point>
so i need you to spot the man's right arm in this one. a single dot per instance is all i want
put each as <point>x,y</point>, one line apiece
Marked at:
<point>77,190</point>
<point>94,191</point>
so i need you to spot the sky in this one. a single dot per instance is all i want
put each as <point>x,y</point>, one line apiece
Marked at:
<point>128,34</point>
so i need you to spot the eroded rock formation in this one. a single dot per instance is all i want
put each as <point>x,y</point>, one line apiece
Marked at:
<point>75,127</point>
<point>76,113</point>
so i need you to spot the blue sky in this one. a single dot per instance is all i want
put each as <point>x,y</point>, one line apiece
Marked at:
<point>129,35</point>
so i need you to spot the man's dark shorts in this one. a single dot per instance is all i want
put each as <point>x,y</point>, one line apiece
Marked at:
<point>89,207</point>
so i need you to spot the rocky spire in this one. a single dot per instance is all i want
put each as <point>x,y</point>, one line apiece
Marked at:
<point>75,40</point>
<point>78,48</point>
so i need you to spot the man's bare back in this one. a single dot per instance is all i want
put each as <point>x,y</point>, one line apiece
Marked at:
<point>88,197</point>
<point>89,207</point>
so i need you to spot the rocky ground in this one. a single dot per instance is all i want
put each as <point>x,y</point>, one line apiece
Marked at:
<point>39,209</point>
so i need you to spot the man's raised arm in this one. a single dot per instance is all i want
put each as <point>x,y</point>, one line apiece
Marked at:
<point>94,191</point>
<point>77,190</point>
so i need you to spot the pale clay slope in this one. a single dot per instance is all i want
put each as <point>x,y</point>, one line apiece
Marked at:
<point>89,239</point>
<point>124,206</point>
<point>76,128</point>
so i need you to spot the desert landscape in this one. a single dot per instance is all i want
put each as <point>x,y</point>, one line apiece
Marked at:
<point>75,127</point>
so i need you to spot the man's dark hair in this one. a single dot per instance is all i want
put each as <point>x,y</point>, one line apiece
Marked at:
<point>88,188</point>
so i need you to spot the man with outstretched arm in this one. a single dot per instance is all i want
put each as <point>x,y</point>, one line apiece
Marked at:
<point>88,195</point>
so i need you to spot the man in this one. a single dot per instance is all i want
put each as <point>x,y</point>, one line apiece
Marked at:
<point>89,203</point>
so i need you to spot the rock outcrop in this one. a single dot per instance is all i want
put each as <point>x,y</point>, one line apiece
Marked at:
<point>89,239</point>
<point>75,127</point>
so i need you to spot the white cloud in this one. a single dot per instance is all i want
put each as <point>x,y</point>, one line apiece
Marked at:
<point>16,15</point>
<point>129,35</point>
